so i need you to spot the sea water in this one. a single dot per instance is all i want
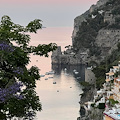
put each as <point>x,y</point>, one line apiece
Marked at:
<point>58,92</point>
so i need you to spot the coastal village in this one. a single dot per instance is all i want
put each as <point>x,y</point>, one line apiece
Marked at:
<point>84,78</point>
<point>106,102</point>
<point>108,97</point>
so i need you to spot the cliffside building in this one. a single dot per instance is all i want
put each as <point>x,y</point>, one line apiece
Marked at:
<point>116,89</point>
<point>68,57</point>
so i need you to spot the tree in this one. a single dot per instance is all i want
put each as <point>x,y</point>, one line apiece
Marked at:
<point>18,97</point>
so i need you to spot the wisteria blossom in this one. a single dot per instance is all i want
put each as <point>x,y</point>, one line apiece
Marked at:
<point>18,70</point>
<point>10,92</point>
<point>6,47</point>
<point>18,97</point>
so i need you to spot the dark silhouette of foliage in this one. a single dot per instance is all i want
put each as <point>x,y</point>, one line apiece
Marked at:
<point>17,83</point>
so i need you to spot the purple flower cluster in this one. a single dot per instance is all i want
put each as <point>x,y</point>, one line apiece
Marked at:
<point>6,47</point>
<point>18,70</point>
<point>10,92</point>
<point>30,115</point>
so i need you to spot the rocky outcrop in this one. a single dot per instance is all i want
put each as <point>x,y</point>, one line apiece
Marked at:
<point>90,76</point>
<point>94,114</point>
<point>92,39</point>
<point>79,19</point>
<point>88,94</point>
<point>107,41</point>
<point>98,4</point>
<point>85,113</point>
<point>67,58</point>
<point>105,38</point>
<point>77,22</point>
<point>91,113</point>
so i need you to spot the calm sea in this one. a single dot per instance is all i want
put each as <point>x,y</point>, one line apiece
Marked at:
<point>59,101</point>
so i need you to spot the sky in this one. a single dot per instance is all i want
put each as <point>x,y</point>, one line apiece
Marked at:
<point>53,13</point>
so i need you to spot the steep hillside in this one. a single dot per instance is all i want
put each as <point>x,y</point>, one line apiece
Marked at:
<point>97,31</point>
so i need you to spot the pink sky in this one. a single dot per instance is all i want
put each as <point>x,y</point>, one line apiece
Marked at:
<point>53,13</point>
<point>67,2</point>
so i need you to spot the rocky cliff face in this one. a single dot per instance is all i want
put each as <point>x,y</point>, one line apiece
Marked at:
<point>94,114</point>
<point>107,40</point>
<point>77,22</point>
<point>102,20</point>
<point>96,34</point>
<point>79,19</point>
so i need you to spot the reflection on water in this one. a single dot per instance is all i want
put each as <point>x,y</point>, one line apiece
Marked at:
<point>78,71</point>
<point>60,101</point>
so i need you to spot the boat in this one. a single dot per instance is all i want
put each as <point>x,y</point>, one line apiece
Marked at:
<point>47,73</point>
<point>42,75</point>
<point>50,77</point>
<point>65,69</point>
<point>50,73</point>
<point>54,82</point>
<point>76,72</point>
<point>43,27</point>
<point>78,77</point>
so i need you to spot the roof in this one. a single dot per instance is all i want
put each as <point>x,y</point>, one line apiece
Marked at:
<point>113,114</point>
<point>110,73</point>
<point>115,66</point>
<point>115,78</point>
<point>109,92</point>
<point>118,79</point>
<point>107,80</point>
<point>100,91</point>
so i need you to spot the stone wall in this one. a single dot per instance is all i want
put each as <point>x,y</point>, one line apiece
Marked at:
<point>66,59</point>
<point>56,55</point>
<point>59,58</point>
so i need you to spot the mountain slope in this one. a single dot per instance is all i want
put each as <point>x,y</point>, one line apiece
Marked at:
<point>97,31</point>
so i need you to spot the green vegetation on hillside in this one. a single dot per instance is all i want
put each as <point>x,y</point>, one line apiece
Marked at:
<point>87,33</point>
<point>88,30</point>
<point>113,3</point>
<point>114,7</point>
<point>104,67</point>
